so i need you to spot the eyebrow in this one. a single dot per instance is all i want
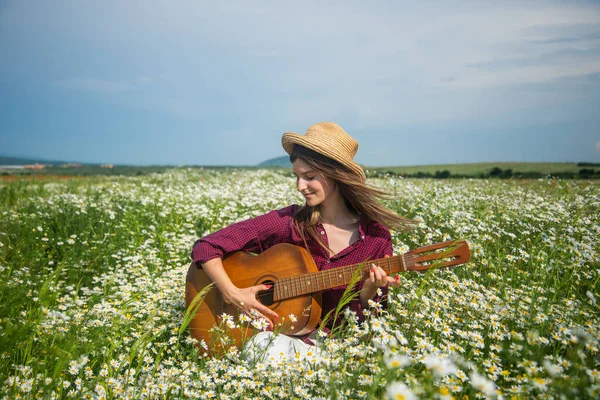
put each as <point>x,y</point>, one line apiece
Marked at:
<point>305,172</point>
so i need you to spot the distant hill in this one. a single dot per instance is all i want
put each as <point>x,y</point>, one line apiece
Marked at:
<point>283,162</point>
<point>8,160</point>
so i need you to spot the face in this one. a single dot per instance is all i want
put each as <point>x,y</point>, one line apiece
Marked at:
<point>311,184</point>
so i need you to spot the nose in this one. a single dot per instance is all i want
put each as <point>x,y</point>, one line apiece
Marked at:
<point>300,184</point>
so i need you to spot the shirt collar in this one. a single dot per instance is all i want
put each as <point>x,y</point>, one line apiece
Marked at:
<point>363,224</point>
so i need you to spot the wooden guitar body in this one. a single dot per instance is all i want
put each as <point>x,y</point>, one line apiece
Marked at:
<point>245,270</point>
<point>296,285</point>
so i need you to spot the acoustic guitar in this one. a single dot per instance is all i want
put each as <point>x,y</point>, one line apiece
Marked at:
<point>296,285</point>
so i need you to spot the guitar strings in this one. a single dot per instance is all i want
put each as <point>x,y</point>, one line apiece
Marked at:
<point>300,285</point>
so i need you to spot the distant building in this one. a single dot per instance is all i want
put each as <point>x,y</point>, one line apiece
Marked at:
<point>35,166</point>
<point>71,166</point>
<point>109,166</point>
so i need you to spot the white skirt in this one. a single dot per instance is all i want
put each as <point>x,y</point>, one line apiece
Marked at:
<point>267,345</point>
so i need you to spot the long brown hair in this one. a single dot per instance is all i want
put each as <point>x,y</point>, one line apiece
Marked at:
<point>360,198</point>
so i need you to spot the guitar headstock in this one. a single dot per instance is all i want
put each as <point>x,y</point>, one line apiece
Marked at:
<point>438,255</point>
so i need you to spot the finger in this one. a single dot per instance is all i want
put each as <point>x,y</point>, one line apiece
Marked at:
<point>391,281</point>
<point>265,287</point>
<point>266,311</point>
<point>245,309</point>
<point>381,277</point>
<point>261,312</point>
<point>261,288</point>
<point>240,305</point>
<point>372,274</point>
<point>261,307</point>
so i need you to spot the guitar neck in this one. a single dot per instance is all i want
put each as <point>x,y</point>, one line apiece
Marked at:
<point>438,255</point>
<point>318,281</point>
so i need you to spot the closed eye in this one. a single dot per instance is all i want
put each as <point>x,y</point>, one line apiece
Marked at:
<point>307,177</point>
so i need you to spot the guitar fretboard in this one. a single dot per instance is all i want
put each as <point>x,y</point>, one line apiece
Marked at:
<point>286,288</point>
<point>445,254</point>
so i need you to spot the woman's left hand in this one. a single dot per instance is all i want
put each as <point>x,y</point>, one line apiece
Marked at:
<point>379,278</point>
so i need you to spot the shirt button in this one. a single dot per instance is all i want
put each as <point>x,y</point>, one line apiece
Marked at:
<point>328,261</point>
<point>322,232</point>
<point>363,237</point>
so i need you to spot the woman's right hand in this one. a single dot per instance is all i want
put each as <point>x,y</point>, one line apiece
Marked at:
<point>245,300</point>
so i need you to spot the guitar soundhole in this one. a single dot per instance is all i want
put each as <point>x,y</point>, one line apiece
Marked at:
<point>266,296</point>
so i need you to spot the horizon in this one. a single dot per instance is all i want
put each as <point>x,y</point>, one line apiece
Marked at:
<point>56,162</point>
<point>187,83</point>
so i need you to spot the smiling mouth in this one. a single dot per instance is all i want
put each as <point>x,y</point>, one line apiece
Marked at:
<point>307,194</point>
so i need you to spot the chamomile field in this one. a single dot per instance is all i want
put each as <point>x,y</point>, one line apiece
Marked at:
<point>92,293</point>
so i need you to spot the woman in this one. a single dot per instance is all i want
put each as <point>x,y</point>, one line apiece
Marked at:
<point>342,223</point>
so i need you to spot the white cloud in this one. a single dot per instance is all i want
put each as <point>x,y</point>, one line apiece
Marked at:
<point>382,64</point>
<point>516,75</point>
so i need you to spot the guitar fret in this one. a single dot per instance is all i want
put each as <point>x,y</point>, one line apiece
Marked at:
<point>389,266</point>
<point>306,282</point>
<point>295,286</point>
<point>340,277</point>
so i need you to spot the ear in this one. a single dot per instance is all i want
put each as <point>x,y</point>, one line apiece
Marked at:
<point>333,183</point>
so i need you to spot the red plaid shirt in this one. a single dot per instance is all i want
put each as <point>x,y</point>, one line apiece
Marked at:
<point>258,234</point>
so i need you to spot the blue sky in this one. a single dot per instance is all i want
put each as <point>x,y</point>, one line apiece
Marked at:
<point>213,83</point>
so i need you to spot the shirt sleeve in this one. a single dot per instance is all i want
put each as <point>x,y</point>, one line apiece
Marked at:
<point>252,235</point>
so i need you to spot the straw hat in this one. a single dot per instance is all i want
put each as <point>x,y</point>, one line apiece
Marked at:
<point>330,140</point>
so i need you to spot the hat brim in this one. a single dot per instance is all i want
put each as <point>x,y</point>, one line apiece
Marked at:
<point>289,139</point>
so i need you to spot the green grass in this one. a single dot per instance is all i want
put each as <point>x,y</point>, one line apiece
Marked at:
<point>92,292</point>
<point>483,169</point>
